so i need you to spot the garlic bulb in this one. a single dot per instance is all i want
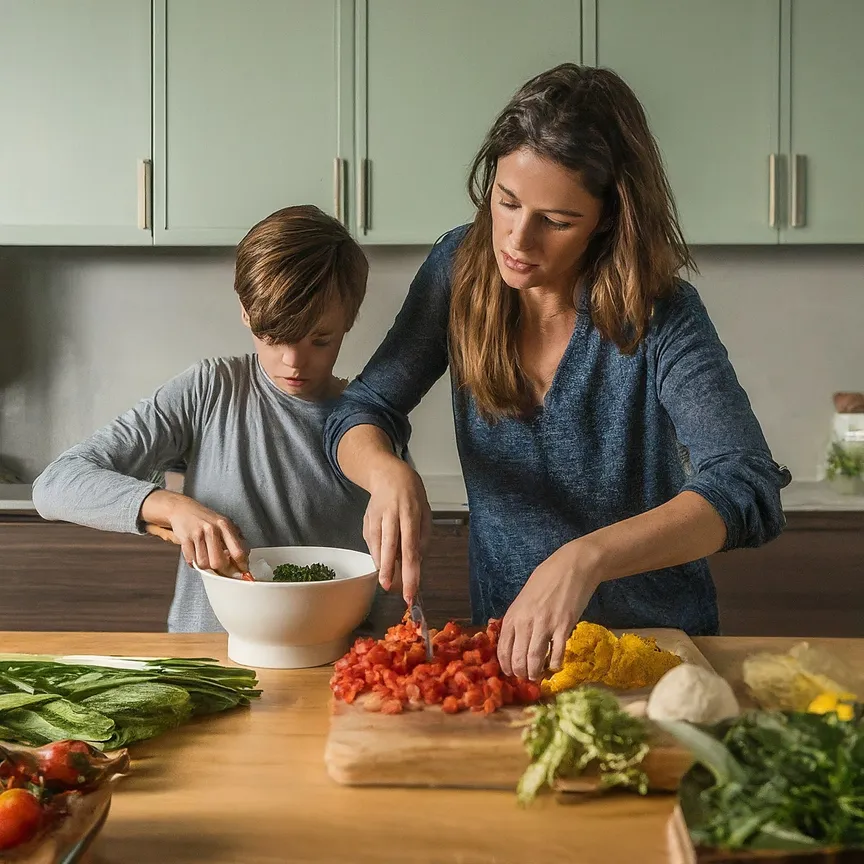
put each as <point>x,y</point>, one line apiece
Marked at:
<point>694,694</point>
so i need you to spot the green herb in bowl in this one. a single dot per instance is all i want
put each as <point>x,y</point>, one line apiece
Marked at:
<point>299,573</point>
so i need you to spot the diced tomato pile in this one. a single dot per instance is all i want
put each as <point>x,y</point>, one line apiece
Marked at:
<point>392,673</point>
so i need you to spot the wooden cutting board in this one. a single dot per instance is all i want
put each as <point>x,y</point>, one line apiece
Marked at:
<point>468,750</point>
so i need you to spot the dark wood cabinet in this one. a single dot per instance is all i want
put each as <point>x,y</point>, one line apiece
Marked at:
<point>445,572</point>
<point>807,582</point>
<point>56,576</point>
<point>445,578</point>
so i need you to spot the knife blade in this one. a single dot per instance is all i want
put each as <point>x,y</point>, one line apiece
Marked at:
<point>418,617</point>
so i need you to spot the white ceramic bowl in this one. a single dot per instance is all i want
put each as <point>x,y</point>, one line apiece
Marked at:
<point>287,625</point>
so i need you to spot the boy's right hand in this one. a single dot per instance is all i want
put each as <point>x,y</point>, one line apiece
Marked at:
<point>207,538</point>
<point>397,525</point>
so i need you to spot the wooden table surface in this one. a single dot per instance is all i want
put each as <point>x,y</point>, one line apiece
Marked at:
<point>250,786</point>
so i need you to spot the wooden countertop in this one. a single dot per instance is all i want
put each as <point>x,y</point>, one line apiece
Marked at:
<point>250,787</point>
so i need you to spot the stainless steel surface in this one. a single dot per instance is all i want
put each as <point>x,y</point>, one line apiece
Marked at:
<point>418,617</point>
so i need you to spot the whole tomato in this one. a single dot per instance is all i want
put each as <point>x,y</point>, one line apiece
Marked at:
<point>65,763</point>
<point>20,817</point>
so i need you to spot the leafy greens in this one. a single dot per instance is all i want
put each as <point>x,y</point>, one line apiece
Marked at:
<point>111,701</point>
<point>303,573</point>
<point>775,780</point>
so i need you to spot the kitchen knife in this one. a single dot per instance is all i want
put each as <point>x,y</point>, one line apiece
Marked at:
<point>418,617</point>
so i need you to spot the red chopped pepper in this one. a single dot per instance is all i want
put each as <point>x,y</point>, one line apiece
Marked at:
<point>463,674</point>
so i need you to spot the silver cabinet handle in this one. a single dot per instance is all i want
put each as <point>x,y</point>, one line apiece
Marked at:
<point>773,165</point>
<point>363,195</point>
<point>145,194</point>
<point>798,215</point>
<point>339,166</point>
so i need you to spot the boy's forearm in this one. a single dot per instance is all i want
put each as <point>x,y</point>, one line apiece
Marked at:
<point>75,489</point>
<point>158,506</point>
<point>363,452</point>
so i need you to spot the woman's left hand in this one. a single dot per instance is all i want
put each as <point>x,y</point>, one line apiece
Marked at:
<point>546,611</point>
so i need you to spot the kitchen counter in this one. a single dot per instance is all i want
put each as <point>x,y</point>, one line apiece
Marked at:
<point>446,493</point>
<point>16,497</point>
<point>250,786</point>
<point>813,497</point>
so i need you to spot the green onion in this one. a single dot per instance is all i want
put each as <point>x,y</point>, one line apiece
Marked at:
<point>112,701</point>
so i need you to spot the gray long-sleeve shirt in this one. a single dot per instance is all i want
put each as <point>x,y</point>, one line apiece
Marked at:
<point>253,454</point>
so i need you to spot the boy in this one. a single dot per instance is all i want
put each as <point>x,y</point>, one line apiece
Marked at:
<point>248,429</point>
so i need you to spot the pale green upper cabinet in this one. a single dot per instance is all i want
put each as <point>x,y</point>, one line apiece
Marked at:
<point>826,122</point>
<point>707,73</point>
<point>246,113</point>
<point>74,120</point>
<point>431,77</point>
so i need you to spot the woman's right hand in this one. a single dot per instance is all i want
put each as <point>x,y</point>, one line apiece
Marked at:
<point>397,526</point>
<point>207,538</point>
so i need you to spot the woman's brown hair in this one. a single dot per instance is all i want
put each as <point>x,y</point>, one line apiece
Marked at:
<point>291,266</point>
<point>589,121</point>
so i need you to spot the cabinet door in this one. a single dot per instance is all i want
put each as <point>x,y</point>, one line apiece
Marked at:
<point>74,120</point>
<point>432,76</point>
<point>246,115</point>
<point>708,76</point>
<point>57,576</point>
<point>807,582</point>
<point>826,122</point>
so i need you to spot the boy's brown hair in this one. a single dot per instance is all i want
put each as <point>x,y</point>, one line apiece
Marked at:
<point>291,266</point>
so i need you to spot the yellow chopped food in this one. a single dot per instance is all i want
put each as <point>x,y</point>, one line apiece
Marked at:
<point>596,655</point>
<point>839,703</point>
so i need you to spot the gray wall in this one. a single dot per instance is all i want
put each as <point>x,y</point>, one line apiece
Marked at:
<point>85,333</point>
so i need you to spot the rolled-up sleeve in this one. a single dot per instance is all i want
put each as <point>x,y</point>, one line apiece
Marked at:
<point>412,357</point>
<point>732,465</point>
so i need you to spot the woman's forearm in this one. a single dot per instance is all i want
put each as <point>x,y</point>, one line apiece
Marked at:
<point>682,530</point>
<point>363,452</point>
<point>398,520</point>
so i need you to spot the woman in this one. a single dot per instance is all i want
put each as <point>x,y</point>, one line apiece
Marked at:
<point>606,445</point>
